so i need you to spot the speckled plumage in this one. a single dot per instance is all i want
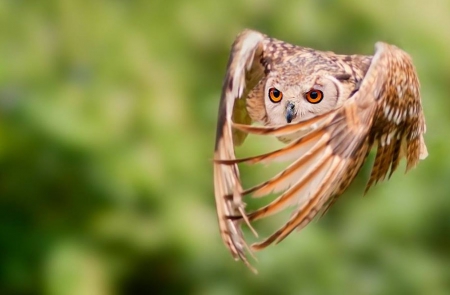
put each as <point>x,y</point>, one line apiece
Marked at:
<point>368,101</point>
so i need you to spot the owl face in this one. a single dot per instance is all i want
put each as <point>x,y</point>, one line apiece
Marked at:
<point>298,97</point>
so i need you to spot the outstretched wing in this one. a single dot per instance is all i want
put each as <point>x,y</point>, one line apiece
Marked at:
<point>384,111</point>
<point>399,122</point>
<point>245,69</point>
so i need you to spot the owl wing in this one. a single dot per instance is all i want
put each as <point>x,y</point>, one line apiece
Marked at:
<point>385,110</point>
<point>245,69</point>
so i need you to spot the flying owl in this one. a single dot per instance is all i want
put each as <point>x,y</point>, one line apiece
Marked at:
<point>329,109</point>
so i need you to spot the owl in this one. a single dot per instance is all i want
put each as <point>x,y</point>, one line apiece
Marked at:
<point>330,110</point>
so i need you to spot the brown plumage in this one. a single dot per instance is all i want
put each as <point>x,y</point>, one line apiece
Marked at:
<point>330,110</point>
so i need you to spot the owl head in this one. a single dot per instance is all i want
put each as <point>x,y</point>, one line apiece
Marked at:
<point>293,98</point>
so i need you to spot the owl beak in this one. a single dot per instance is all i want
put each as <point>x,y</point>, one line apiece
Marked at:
<point>290,112</point>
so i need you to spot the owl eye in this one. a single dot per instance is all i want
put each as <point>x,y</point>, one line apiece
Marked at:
<point>275,95</point>
<point>314,96</point>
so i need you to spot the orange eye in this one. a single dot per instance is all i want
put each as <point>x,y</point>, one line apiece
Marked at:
<point>314,96</point>
<point>275,95</point>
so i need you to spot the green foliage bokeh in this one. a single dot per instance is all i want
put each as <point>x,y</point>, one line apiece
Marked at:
<point>107,122</point>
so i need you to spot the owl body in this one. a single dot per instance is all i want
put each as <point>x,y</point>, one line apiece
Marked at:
<point>330,109</point>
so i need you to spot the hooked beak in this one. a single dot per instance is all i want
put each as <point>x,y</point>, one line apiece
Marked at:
<point>290,112</point>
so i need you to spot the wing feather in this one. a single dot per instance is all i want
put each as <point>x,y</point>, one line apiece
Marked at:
<point>244,67</point>
<point>307,209</point>
<point>399,123</point>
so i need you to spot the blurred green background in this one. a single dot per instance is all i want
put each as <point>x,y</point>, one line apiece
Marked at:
<point>108,112</point>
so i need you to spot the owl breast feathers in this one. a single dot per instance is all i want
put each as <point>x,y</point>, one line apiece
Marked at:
<point>329,109</point>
